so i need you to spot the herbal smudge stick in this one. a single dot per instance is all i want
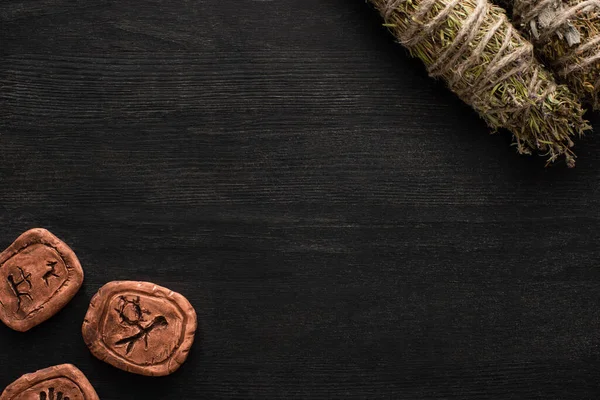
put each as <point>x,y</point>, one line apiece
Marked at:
<point>489,65</point>
<point>566,35</point>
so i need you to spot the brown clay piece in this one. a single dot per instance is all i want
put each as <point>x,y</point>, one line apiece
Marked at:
<point>63,382</point>
<point>140,327</point>
<point>39,275</point>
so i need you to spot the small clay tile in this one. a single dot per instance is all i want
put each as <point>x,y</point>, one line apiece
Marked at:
<point>39,275</point>
<point>140,327</point>
<point>63,382</point>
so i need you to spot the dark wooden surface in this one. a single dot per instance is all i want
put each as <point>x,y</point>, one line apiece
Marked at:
<point>344,226</point>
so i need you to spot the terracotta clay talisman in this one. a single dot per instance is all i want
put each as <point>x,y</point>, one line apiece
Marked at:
<point>140,327</point>
<point>63,382</point>
<point>39,275</point>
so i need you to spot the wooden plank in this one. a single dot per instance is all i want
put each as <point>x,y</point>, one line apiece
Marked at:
<point>344,226</point>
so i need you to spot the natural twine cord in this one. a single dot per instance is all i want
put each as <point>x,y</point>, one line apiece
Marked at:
<point>578,61</point>
<point>459,56</point>
<point>483,59</point>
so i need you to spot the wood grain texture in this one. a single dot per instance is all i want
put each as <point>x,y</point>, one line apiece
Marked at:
<point>343,225</point>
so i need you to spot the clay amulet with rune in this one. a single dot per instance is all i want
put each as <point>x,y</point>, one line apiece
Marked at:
<point>62,382</point>
<point>140,327</point>
<point>39,275</point>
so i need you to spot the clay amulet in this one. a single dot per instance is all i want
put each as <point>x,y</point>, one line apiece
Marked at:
<point>63,382</point>
<point>140,327</point>
<point>39,275</point>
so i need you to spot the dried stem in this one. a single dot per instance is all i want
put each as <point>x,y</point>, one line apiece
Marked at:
<point>566,35</point>
<point>472,46</point>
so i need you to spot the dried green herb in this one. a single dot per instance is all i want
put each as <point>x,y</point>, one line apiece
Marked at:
<point>566,35</point>
<point>489,65</point>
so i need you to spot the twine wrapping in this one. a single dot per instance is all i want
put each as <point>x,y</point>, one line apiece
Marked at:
<point>472,46</point>
<point>566,34</point>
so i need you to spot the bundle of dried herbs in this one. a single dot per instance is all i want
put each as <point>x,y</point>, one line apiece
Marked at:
<point>485,61</point>
<point>566,35</point>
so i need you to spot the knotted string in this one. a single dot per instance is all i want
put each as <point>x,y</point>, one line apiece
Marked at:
<point>464,52</point>
<point>528,10</point>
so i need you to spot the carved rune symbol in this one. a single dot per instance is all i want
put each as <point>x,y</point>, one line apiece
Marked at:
<point>14,285</point>
<point>131,313</point>
<point>50,395</point>
<point>51,272</point>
